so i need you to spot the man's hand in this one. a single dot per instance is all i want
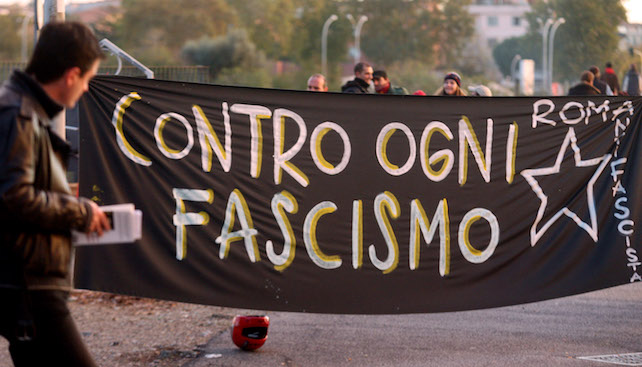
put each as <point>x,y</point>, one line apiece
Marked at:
<point>99,221</point>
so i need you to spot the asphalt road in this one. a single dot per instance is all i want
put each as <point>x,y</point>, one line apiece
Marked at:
<point>550,333</point>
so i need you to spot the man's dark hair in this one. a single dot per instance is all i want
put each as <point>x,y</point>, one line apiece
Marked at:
<point>62,46</point>
<point>380,74</point>
<point>595,70</point>
<point>609,65</point>
<point>360,66</point>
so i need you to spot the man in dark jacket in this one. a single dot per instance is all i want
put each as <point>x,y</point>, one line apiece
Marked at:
<point>631,83</point>
<point>37,209</point>
<point>383,86</point>
<point>585,87</point>
<point>361,82</point>
<point>599,84</point>
<point>610,78</point>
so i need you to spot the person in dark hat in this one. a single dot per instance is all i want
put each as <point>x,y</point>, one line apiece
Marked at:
<point>585,86</point>
<point>452,86</point>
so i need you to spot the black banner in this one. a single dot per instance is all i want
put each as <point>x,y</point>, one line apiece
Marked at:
<point>323,202</point>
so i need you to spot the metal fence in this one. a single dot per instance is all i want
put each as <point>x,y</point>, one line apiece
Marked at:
<point>7,67</point>
<point>193,74</point>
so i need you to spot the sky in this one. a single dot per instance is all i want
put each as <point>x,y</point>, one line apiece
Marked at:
<point>633,7</point>
<point>634,10</point>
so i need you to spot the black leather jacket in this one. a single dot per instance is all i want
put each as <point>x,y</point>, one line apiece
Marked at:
<point>37,210</point>
<point>357,86</point>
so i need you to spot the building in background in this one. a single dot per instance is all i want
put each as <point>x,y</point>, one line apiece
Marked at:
<point>631,35</point>
<point>497,20</point>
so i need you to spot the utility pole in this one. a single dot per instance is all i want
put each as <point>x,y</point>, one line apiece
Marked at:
<point>558,22</point>
<point>23,49</point>
<point>544,28</point>
<point>356,26</point>
<point>324,44</point>
<point>548,30</point>
<point>48,11</point>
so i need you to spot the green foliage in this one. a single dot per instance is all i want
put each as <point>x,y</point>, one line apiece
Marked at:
<point>306,42</point>
<point>159,32</point>
<point>150,25</point>
<point>476,59</point>
<point>455,30</point>
<point>11,34</point>
<point>244,77</point>
<point>233,50</point>
<point>528,47</point>
<point>415,75</point>
<point>292,80</point>
<point>271,24</point>
<point>394,30</point>
<point>589,35</point>
<point>419,30</point>
<point>430,34</point>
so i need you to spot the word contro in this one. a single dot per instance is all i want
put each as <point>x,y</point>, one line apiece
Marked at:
<point>386,207</point>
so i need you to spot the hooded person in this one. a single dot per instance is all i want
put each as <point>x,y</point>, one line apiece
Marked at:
<point>451,86</point>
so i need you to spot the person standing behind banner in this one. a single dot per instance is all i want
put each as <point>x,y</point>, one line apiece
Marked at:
<point>37,209</point>
<point>451,86</point>
<point>383,85</point>
<point>600,84</point>
<point>610,78</point>
<point>585,86</point>
<point>361,82</point>
<point>631,83</point>
<point>316,83</point>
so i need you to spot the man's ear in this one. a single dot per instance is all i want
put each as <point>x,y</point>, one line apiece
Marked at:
<point>72,75</point>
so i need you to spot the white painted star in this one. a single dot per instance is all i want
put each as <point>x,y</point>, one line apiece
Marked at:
<point>529,175</point>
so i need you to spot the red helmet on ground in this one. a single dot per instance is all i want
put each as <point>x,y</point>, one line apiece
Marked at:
<point>250,332</point>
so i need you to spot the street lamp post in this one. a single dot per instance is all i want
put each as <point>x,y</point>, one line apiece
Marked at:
<point>544,28</point>
<point>556,25</point>
<point>548,30</point>
<point>324,43</point>
<point>23,50</point>
<point>52,10</point>
<point>357,35</point>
